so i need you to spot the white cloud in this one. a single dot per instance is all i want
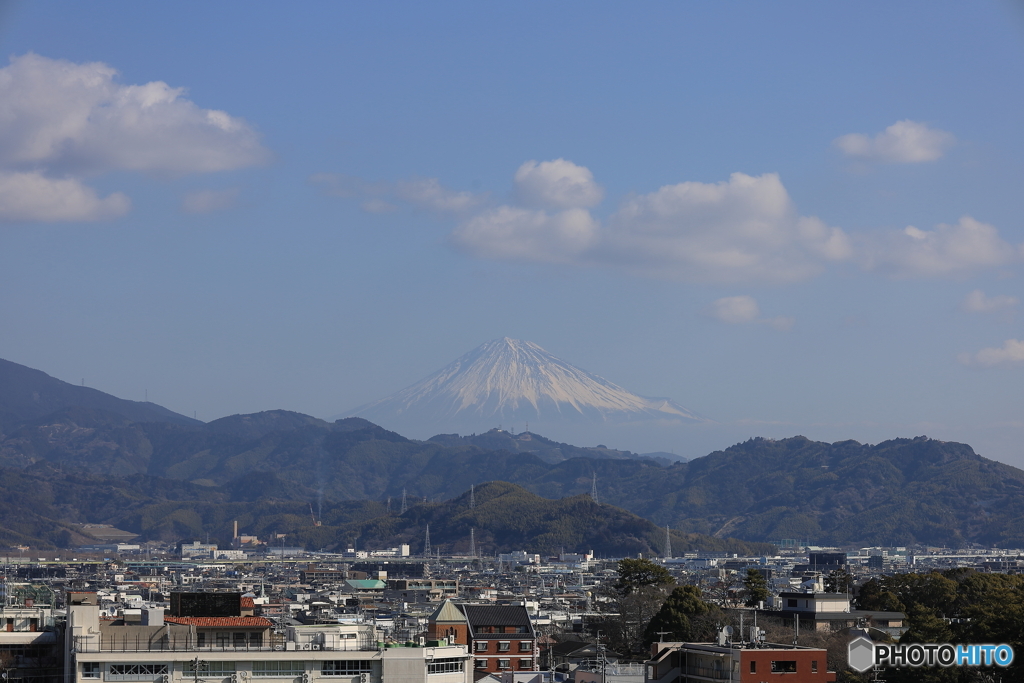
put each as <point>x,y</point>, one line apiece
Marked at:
<point>206,201</point>
<point>904,142</point>
<point>948,250</point>
<point>556,184</point>
<point>977,302</point>
<point>75,118</point>
<point>1010,353</point>
<point>738,230</point>
<point>65,121</point>
<point>739,310</point>
<point>33,197</point>
<point>515,233</point>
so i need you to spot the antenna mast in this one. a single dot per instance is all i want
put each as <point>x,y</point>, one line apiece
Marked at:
<point>668,543</point>
<point>426,544</point>
<point>472,542</point>
<point>404,506</point>
<point>472,496</point>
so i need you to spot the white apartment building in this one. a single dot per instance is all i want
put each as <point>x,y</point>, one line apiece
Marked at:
<point>245,650</point>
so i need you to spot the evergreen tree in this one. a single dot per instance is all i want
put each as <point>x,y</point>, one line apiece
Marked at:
<point>757,587</point>
<point>635,574</point>
<point>683,617</point>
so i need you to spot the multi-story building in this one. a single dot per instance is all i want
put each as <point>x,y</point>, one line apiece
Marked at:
<point>236,649</point>
<point>29,647</point>
<point>500,637</point>
<point>420,590</point>
<point>739,662</point>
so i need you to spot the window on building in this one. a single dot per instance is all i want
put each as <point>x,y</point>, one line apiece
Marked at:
<point>239,639</point>
<point>345,667</point>
<point>211,669</point>
<point>480,646</point>
<point>223,639</point>
<point>526,664</point>
<point>286,669</point>
<point>449,665</point>
<point>91,670</point>
<point>504,663</point>
<point>753,667</point>
<point>784,667</point>
<point>814,666</point>
<point>135,672</point>
<point>201,639</point>
<point>504,645</point>
<point>791,603</point>
<point>525,646</point>
<point>481,663</point>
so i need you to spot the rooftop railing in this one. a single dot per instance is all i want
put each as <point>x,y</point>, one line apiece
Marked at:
<point>189,643</point>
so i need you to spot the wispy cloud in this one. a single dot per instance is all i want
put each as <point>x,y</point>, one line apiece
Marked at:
<point>207,201</point>
<point>977,302</point>
<point>742,310</point>
<point>1011,353</point>
<point>381,197</point>
<point>904,142</point>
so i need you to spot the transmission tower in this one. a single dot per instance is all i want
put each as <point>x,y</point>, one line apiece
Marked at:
<point>593,487</point>
<point>426,544</point>
<point>668,543</point>
<point>404,506</point>
<point>472,542</point>
<point>472,497</point>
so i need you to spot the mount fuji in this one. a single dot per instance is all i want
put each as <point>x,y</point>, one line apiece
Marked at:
<point>512,381</point>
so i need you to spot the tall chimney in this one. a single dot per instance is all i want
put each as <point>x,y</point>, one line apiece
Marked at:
<point>235,529</point>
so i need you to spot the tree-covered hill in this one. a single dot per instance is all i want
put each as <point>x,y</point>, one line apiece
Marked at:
<point>898,492</point>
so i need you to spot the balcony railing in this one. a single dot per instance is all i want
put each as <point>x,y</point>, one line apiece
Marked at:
<point>707,672</point>
<point>189,643</point>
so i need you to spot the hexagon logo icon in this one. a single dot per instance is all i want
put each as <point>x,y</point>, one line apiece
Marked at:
<point>861,654</point>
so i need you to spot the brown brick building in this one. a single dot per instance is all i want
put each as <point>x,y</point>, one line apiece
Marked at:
<point>500,637</point>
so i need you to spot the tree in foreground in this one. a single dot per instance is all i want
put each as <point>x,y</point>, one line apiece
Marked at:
<point>683,617</point>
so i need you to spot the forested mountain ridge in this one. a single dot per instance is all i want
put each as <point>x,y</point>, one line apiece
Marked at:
<point>898,492</point>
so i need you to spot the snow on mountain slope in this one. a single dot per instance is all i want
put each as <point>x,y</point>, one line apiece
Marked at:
<point>518,380</point>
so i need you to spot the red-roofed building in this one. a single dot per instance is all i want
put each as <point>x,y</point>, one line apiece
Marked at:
<point>227,631</point>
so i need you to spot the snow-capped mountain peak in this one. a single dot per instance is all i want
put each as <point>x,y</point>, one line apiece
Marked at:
<point>517,380</point>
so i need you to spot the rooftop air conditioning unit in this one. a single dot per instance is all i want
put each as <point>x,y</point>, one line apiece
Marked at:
<point>306,646</point>
<point>316,647</point>
<point>278,648</point>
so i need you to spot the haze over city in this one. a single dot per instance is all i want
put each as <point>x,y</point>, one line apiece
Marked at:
<point>789,218</point>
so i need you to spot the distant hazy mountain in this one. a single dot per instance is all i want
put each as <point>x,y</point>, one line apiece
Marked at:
<point>27,394</point>
<point>547,450</point>
<point>508,381</point>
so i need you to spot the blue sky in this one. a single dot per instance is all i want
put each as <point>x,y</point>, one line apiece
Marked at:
<point>794,218</point>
